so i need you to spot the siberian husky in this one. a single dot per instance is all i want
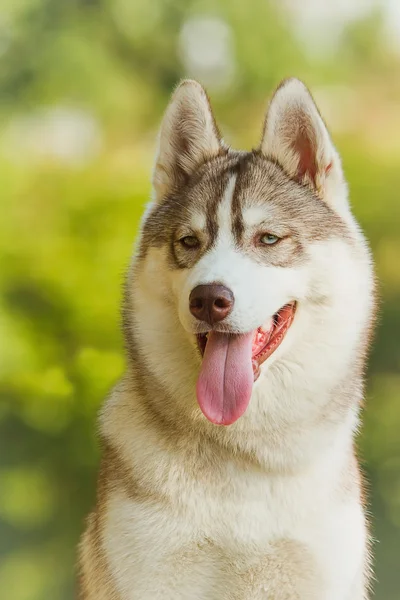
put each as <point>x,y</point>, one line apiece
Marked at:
<point>228,469</point>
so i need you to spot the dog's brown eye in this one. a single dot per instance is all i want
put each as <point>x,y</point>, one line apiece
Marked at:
<point>269,239</point>
<point>190,241</point>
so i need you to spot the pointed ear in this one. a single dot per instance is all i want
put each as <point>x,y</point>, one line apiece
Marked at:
<point>296,137</point>
<point>188,136</point>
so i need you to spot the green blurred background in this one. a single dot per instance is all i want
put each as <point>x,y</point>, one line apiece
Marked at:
<point>83,84</point>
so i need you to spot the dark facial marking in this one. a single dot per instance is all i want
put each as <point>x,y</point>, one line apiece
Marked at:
<point>239,169</point>
<point>202,194</point>
<point>292,211</point>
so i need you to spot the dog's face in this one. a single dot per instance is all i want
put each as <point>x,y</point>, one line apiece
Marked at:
<point>255,253</point>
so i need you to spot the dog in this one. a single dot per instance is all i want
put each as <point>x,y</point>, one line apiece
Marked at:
<point>228,466</point>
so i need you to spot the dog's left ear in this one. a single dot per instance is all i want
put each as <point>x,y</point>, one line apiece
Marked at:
<point>297,138</point>
<point>188,137</point>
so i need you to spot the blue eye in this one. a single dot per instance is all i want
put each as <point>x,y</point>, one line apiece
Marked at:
<point>269,239</point>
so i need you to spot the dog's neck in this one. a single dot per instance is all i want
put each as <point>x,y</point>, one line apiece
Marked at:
<point>265,443</point>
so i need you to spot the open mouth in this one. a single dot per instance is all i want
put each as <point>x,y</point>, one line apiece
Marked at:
<point>266,338</point>
<point>231,364</point>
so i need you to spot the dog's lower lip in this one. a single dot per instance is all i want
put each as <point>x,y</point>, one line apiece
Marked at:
<point>265,342</point>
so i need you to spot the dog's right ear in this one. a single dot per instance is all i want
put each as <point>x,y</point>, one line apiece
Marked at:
<point>188,136</point>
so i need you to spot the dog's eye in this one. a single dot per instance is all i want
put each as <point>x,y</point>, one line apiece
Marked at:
<point>269,239</point>
<point>189,241</point>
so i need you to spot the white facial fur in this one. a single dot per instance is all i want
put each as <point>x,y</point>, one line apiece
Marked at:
<point>259,291</point>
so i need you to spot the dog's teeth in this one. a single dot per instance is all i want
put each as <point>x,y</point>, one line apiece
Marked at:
<point>267,325</point>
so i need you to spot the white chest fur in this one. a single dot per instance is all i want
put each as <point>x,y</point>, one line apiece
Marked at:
<point>249,537</point>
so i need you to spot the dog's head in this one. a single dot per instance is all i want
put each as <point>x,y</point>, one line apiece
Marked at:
<point>248,259</point>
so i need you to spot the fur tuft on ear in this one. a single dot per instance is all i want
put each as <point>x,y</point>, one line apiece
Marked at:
<point>188,136</point>
<point>297,138</point>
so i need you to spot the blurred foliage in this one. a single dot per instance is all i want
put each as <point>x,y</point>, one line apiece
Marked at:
<point>82,87</point>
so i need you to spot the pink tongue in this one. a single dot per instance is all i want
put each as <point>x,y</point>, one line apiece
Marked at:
<point>226,377</point>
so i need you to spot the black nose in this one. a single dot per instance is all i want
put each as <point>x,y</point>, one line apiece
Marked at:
<point>211,303</point>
